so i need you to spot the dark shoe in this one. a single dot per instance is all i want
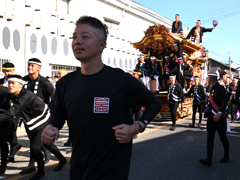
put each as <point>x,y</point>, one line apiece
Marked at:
<point>156,92</point>
<point>205,162</point>
<point>68,143</point>
<point>2,170</point>
<point>10,160</point>
<point>38,175</point>
<point>47,155</point>
<point>172,128</point>
<point>60,164</point>
<point>224,160</point>
<point>199,125</point>
<point>191,125</point>
<point>28,170</point>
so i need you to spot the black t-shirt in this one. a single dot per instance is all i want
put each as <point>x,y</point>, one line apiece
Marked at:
<point>92,105</point>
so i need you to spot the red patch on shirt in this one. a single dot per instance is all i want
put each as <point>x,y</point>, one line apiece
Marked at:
<point>101,105</point>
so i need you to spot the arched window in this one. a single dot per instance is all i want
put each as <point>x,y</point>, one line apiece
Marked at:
<point>6,37</point>
<point>54,46</point>
<point>33,43</point>
<point>65,47</point>
<point>44,44</point>
<point>16,40</point>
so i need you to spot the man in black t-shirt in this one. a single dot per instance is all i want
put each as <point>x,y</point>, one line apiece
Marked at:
<point>99,118</point>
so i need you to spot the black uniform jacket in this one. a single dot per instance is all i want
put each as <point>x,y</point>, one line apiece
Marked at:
<point>142,68</point>
<point>179,28</point>
<point>231,97</point>
<point>219,96</point>
<point>34,111</point>
<point>1,81</point>
<point>175,94</point>
<point>192,33</point>
<point>4,99</point>
<point>154,69</point>
<point>42,88</point>
<point>172,65</point>
<point>198,93</point>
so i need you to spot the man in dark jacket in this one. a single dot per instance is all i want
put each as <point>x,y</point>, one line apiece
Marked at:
<point>217,119</point>
<point>35,114</point>
<point>40,86</point>
<point>198,98</point>
<point>196,32</point>
<point>9,69</point>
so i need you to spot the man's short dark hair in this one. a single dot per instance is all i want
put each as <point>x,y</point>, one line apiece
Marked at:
<point>177,15</point>
<point>213,78</point>
<point>94,22</point>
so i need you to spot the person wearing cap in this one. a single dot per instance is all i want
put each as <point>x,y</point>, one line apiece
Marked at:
<point>153,72</point>
<point>40,86</point>
<point>216,119</point>
<point>198,98</point>
<point>9,69</point>
<point>96,102</point>
<point>35,114</point>
<point>196,32</point>
<point>177,25</point>
<point>61,73</point>
<point>233,99</point>
<point>178,56</point>
<point>175,96</point>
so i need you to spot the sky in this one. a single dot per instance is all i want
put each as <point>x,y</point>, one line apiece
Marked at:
<point>224,39</point>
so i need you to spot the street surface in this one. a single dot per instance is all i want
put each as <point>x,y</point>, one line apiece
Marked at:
<point>157,154</point>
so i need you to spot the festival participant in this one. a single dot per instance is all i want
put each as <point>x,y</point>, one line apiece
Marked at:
<point>61,73</point>
<point>35,114</point>
<point>178,56</point>
<point>4,128</point>
<point>198,98</point>
<point>40,86</point>
<point>99,119</point>
<point>196,32</point>
<point>187,74</point>
<point>136,73</point>
<point>233,98</point>
<point>175,96</point>
<point>9,69</point>
<point>177,25</point>
<point>223,77</point>
<point>153,72</point>
<point>170,67</point>
<point>141,66</point>
<point>216,121</point>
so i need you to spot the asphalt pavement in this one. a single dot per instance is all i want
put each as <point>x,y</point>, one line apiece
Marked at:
<point>158,154</point>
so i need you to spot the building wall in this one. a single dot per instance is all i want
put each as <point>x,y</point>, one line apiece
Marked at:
<point>45,29</point>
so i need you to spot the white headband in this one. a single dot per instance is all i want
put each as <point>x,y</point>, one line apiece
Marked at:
<point>196,78</point>
<point>167,56</point>
<point>17,80</point>
<point>175,44</point>
<point>34,62</point>
<point>173,76</point>
<point>213,75</point>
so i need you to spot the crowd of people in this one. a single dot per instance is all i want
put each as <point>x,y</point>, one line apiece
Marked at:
<point>100,121</point>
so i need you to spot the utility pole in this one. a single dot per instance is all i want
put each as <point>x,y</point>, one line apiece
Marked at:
<point>229,64</point>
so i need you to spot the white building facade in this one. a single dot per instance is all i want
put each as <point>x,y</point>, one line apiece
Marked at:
<point>43,30</point>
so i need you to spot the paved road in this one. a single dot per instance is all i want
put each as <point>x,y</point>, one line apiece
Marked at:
<point>158,154</point>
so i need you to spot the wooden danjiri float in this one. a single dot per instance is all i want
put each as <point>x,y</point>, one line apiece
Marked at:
<point>157,40</point>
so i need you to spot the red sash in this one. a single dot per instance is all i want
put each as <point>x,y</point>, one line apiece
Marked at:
<point>215,106</point>
<point>177,60</point>
<point>167,68</point>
